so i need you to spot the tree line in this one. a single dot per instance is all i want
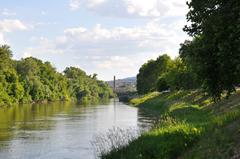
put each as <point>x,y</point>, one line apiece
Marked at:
<point>211,60</point>
<point>164,74</point>
<point>32,80</point>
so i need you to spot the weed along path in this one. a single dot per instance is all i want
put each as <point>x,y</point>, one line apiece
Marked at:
<point>62,130</point>
<point>190,126</point>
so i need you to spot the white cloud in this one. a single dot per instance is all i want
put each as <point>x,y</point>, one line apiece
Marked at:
<point>109,50</point>
<point>43,13</point>
<point>10,25</point>
<point>74,4</point>
<point>6,12</point>
<point>121,64</point>
<point>43,46</point>
<point>133,8</point>
<point>122,40</point>
<point>73,31</point>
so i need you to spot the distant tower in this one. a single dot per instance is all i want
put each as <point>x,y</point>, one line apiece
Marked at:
<point>114,83</point>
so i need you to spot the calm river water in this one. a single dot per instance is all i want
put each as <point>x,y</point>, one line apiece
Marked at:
<point>61,130</point>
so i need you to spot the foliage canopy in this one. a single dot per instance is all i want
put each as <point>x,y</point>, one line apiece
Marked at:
<point>214,52</point>
<point>32,80</point>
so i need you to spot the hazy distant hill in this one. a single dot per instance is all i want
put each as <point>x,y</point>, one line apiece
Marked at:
<point>124,85</point>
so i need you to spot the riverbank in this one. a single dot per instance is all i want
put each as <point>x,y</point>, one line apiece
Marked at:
<point>189,125</point>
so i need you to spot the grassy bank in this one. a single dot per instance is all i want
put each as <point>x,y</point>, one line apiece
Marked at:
<point>190,126</point>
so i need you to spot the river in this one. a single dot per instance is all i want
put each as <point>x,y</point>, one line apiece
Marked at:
<point>62,130</point>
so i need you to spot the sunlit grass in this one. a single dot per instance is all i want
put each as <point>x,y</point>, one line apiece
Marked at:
<point>138,101</point>
<point>190,125</point>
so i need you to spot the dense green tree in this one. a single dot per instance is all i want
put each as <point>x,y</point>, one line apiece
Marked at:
<point>11,90</point>
<point>162,84</point>
<point>179,76</point>
<point>41,81</point>
<point>149,73</point>
<point>76,82</point>
<point>163,74</point>
<point>214,53</point>
<point>83,87</point>
<point>32,80</point>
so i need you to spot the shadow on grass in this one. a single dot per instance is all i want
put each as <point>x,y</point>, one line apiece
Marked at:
<point>165,142</point>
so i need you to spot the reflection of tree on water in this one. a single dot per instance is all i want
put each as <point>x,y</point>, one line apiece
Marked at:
<point>146,120</point>
<point>114,107</point>
<point>16,121</point>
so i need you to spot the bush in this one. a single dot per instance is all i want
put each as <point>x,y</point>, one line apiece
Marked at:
<point>162,84</point>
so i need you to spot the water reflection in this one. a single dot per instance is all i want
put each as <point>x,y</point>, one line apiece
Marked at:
<point>61,130</point>
<point>29,117</point>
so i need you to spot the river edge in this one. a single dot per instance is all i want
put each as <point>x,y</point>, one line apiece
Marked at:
<point>94,101</point>
<point>189,125</point>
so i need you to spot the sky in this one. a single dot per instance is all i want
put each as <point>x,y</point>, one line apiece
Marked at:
<point>107,37</point>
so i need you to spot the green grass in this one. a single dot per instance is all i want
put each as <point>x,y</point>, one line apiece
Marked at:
<point>190,126</point>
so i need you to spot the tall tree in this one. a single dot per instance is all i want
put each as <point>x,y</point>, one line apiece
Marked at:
<point>179,76</point>
<point>149,73</point>
<point>214,52</point>
<point>11,90</point>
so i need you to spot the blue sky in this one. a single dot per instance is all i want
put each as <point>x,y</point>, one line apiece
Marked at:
<point>107,37</point>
